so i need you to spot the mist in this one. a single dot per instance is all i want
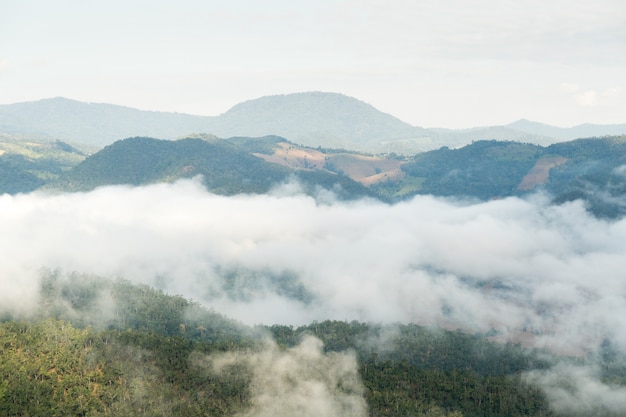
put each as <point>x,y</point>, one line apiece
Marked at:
<point>302,380</point>
<point>524,270</point>
<point>555,272</point>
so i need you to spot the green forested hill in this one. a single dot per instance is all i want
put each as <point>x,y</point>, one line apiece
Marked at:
<point>226,168</point>
<point>595,172</point>
<point>138,161</point>
<point>145,353</point>
<point>28,163</point>
<point>485,169</point>
<point>589,169</point>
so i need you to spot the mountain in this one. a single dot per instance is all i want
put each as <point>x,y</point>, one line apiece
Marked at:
<point>456,138</point>
<point>314,119</point>
<point>226,168</point>
<point>28,163</point>
<point>586,130</point>
<point>97,347</point>
<point>590,169</point>
<point>93,123</point>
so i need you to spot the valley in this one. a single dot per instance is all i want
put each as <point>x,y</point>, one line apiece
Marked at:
<point>450,281</point>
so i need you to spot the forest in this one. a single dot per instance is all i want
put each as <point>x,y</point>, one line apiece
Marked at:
<point>588,169</point>
<point>104,347</point>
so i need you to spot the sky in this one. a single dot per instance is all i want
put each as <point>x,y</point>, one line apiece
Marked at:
<point>431,63</point>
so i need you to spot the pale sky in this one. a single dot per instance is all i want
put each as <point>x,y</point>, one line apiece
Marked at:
<point>431,63</point>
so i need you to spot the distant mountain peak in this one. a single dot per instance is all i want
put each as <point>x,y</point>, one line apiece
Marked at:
<point>311,101</point>
<point>315,118</point>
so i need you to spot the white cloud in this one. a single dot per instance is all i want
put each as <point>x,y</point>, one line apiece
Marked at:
<point>302,380</point>
<point>587,98</point>
<point>592,97</point>
<point>507,264</point>
<point>575,389</point>
<point>514,265</point>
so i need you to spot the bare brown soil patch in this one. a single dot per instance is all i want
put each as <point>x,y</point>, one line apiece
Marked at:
<point>362,168</point>
<point>540,173</point>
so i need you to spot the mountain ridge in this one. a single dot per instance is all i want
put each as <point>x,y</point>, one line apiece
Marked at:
<point>329,120</point>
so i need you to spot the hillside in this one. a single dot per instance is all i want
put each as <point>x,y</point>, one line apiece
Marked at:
<point>313,119</point>
<point>95,124</point>
<point>226,168</point>
<point>317,119</point>
<point>104,348</point>
<point>588,169</point>
<point>586,130</point>
<point>28,163</point>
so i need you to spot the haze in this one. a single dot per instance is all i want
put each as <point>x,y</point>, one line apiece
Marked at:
<point>513,265</point>
<point>433,64</point>
<point>522,270</point>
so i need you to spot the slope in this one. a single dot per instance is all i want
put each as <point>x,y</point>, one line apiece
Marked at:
<point>590,169</point>
<point>93,123</point>
<point>567,133</point>
<point>143,352</point>
<point>316,119</point>
<point>28,163</point>
<point>329,120</point>
<point>226,168</point>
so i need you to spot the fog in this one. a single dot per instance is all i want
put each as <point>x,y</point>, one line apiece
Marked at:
<point>545,275</point>
<point>578,389</point>
<point>302,380</point>
<point>287,258</point>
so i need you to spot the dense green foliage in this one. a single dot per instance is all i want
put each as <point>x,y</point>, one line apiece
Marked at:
<point>409,369</point>
<point>105,304</point>
<point>14,178</point>
<point>138,161</point>
<point>591,171</point>
<point>226,168</point>
<point>109,348</point>
<point>26,165</point>
<point>485,169</point>
<point>588,169</point>
<point>594,173</point>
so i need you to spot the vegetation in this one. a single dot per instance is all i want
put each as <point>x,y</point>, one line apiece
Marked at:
<point>485,169</point>
<point>99,347</point>
<point>594,173</point>
<point>27,164</point>
<point>590,169</point>
<point>226,168</point>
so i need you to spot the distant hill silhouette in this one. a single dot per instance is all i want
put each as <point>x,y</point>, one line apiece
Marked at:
<point>328,120</point>
<point>93,123</point>
<point>312,119</point>
<point>586,130</point>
